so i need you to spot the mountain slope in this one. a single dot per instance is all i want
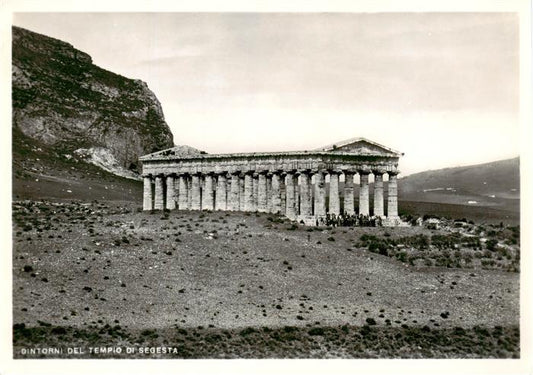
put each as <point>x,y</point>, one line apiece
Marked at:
<point>61,99</point>
<point>490,184</point>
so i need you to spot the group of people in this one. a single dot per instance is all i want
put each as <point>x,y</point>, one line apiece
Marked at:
<point>346,220</point>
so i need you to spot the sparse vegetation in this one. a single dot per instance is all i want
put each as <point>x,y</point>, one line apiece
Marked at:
<point>368,341</point>
<point>455,249</point>
<point>132,262</point>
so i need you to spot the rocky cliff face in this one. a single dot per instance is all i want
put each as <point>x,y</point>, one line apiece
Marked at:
<point>63,101</point>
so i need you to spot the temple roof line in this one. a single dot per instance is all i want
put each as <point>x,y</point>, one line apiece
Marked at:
<point>354,146</point>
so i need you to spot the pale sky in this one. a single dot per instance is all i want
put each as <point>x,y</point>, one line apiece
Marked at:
<point>441,87</point>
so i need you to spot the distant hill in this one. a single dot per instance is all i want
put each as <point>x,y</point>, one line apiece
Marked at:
<point>494,184</point>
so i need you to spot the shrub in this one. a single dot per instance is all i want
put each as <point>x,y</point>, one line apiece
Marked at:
<point>316,331</point>
<point>402,256</point>
<point>247,331</point>
<point>59,331</point>
<point>491,244</point>
<point>378,247</point>
<point>370,321</point>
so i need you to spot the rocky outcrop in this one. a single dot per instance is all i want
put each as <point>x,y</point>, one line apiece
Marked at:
<point>61,99</point>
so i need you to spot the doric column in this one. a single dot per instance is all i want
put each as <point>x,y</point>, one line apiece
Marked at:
<point>248,191</point>
<point>235,192</point>
<point>364,205</point>
<point>176,190</point>
<point>170,196</point>
<point>334,201</point>
<point>208,201</point>
<point>228,191</point>
<point>275,195</point>
<point>392,203</point>
<point>262,192</point>
<point>290,195</point>
<point>348,193</point>
<point>159,200</point>
<point>255,183</point>
<point>183,192</point>
<point>196,194</point>
<point>305,194</point>
<point>147,193</point>
<point>283,193</point>
<point>378,193</point>
<point>189,192</point>
<point>269,192</point>
<point>241,193</point>
<point>221,201</point>
<point>320,194</point>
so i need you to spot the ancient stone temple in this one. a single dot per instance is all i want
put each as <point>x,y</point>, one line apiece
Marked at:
<point>294,184</point>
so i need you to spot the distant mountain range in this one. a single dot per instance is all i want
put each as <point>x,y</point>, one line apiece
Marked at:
<point>494,184</point>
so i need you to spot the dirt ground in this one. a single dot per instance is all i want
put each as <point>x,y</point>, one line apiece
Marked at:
<point>88,265</point>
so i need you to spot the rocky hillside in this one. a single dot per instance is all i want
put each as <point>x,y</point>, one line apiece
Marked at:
<point>64,103</point>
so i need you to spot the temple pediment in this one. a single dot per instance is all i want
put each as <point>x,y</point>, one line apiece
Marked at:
<point>360,146</point>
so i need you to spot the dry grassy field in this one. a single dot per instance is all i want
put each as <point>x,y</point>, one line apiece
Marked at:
<point>238,285</point>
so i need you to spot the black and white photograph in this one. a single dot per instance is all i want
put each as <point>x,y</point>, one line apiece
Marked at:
<point>280,184</point>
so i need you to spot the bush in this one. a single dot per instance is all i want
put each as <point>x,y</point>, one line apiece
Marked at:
<point>402,256</point>
<point>370,321</point>
<point>378,247</point>
<point>247,331</point>
<point>316,331</point>
<point>59,331</point>
<point>491,244</point>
